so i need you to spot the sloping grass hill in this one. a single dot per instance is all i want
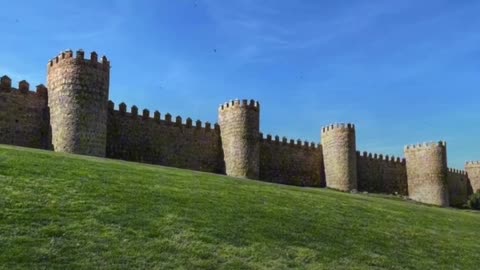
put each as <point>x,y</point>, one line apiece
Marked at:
<point>61,211</point>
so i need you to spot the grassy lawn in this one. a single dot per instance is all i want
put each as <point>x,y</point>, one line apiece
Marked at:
<point>71,212</point>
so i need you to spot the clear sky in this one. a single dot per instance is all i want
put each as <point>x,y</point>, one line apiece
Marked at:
<point>403,71</point>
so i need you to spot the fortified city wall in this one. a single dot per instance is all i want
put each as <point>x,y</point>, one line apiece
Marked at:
<point>291,162</point>
<point>24,116</point>
<point>161,140</point>
<point>458,186</point>
<point>75,116</point>
<point>377,173</point>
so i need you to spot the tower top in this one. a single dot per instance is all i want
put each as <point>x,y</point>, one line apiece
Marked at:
<point>79,57</point>
<point>473,163</point>
<point>426,145</point>
<point>244,103</point>
<point>330,127</point>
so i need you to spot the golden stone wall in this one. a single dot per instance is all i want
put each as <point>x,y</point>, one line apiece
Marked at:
<point>340,156</point>
<point>161,140</point>
<point>239,129</point>
<point>458,187</point>
<point>78,96</point>
<point>291,162</point>
<point>427,173</point>
<point>379,173</point>
<point>74,116</point>
<point>24,116</point>
<point>473,171</point>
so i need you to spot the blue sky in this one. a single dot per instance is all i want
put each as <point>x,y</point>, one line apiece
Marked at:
<point>403,71</point>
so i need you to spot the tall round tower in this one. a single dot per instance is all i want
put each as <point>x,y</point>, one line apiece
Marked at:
<point>473,171</point>
<point>427,173</point>
<point>77,98</point>
<point>340,156</point>
<point>240,133</point>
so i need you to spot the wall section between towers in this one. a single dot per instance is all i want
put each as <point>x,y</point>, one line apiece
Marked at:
<point>142,138</point>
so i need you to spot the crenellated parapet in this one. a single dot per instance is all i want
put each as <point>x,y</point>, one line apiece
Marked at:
<point>340,156</point>
<point>388,159</point>
<point>239,128</point>
<point>457,171</point>
<point>425,145</point>
<point>472,163</point>
<point>427,172</point>
<point>473,170</point>
<point>243,104</point>
<point>23,88</point>
<point>67,57</point>
<point>158,118</point>
<point>338,126</point>
<point>299,144</point>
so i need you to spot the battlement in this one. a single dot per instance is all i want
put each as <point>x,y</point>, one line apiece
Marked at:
<point>472,164</point>
<point>425,145</point>
<point>157,117</point>
<point>330,127</point>
<point>379,157</point>
<point>79,57</point>
<point>457,171</point>
<point>23,87</point>
<point>244,103</point>
<point>290,142</point>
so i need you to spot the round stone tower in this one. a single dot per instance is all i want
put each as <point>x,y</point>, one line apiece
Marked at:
<point>340,156</point>
<point>427,173</point>
<point>78,100</point>
<point>240,133</point>
<point>473,171</point>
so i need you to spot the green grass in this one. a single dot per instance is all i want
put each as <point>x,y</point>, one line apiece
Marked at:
<point>70,212</point>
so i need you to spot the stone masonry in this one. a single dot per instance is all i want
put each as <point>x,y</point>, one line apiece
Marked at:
<point>427,173</point>
<point>78,96</point>
<point>379,173</point>
<point>74,115</point>
<point>458,187</point>
<point>24,116</point>
<point>239,128</point>
<point>473,171</point>
<point>340,156</point>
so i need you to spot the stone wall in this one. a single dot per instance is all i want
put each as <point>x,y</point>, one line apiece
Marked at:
<point>381,174</point>
<point>291,163</point>
<point>78,95</point>
<point>74,115</point>
<point>458,187</point>
<point>240,134</point>
<point>141,138</point>
<point>473,171</point>
<point>24,116</point>
<point>427,173</point>
<point>340,156</point>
